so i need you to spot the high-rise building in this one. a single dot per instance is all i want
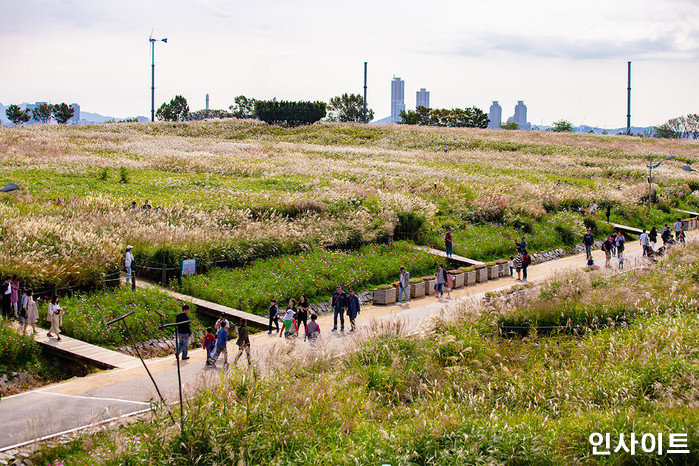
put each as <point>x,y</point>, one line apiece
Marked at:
<point>495,116</point>
<point>207,103</point>
<point>76,114</point>
<point>422,98</point>
<point>397,99</point>
<point>520,117</point>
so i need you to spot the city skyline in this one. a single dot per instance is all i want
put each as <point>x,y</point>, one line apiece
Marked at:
<point>567,61</point>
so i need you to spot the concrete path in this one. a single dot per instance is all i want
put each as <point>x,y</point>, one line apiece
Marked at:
<point>81,402</point>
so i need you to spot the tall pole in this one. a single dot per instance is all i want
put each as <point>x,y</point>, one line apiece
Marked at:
<point>650,178</point>
<point>628,103</point>
<point>364,93</point>
<point>152,79</point>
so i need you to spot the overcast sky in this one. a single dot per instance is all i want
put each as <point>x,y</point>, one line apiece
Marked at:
<point>566,60</point>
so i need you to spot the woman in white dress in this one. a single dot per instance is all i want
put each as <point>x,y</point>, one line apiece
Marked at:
<point>31,313</point>
<point>55,316</point>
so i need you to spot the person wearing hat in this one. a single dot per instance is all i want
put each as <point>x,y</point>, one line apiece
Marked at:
<point>128,263</point>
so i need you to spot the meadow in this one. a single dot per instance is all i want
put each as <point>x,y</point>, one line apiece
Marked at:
<point>461,392</point>
<point>232,191</point>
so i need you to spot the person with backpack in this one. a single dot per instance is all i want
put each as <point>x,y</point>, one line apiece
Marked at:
<point>526,261</point>
<point>607,248</point>
<point>339,304</point>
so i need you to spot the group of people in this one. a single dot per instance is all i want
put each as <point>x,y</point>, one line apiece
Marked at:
<point>521,261</point>
<point>293,317</point>
<point>146,208</point>
<point>25,308</point>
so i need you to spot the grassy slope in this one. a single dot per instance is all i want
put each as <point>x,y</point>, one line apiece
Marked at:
<point>460,395</point>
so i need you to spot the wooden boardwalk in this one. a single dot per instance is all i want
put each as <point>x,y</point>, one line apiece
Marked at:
<point>85,352</point>
<point>210,308</point>
<point>454,257</point>
<point>632,230</point>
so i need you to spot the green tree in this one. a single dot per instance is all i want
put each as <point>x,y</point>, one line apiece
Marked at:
<point>289,113</point>
<point>17,115</point>
<point>42,113</point>
<point>204,114</point>
<point>562,126</point>
<point>348,107</point>
<point>509,125</point>
<point>243,107</point>
<point>176,110</point>
<point>62,113</point>
<point>472,117</point>
<point>420,116</point>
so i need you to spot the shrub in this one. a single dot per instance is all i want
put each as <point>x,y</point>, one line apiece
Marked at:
<point>566,234</point>
<point>489,208</point>
<point>123,175</point>
<point>590,223</point>
<point>16,351</point>
<point>289,113</point>
<point>409,225</point>
<point>524,225</point>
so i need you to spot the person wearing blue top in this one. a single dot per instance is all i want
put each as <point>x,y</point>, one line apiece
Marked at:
<point>221,342</point>
<point>521,246</point>
<point>353,309</point>
<point>339,304</point>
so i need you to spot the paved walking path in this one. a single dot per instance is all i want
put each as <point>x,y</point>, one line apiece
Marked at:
<point>81,402</point>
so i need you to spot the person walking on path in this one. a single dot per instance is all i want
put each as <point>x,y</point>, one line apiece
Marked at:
<point>313,329</point>
<point>273,315</point>
<point>607,248</point>
<point>653,238</point>
<point>518,265</point>
<point>588,241</point>
<point>31,312</point>
<point>521,246</point>
<point>55,317</point>
<point>6,290</point>
<point>243,341</point>
<point>449,284</point>
<point>666,235</point>
<point>183,332</point>
<point>339,304</point>
<point>441,277</point>
<point>608,211</point>
<point>302,312</point>
<point>209,343</point>
<point>678,229</point>
<point>526,261</point>
<point>643,239</point>
<point>221,346</point>
<point>403,286</point>
<point>353,309</point>
<point>620,244</point>
<point>289,317</point>
<point>128,264</point>
<point>14,295</point>
<point>449,241</point>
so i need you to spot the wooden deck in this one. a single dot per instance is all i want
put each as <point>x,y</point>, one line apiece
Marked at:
<point>454,257</point>
<point>85,352</point>
<point>210,308</point>
<point>632,230</point>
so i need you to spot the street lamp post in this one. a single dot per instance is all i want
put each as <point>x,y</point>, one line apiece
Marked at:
<point>650,174</point>
<point>152,75</point>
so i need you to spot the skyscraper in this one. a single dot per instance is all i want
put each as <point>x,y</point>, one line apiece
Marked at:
<point>495,115</point>
<point>397,99</point>
<point>520,117</point>
<point>422,98</point>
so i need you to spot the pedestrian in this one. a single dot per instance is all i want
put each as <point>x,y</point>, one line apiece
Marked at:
<point>243,341</point>
<point>526,261</point>
<point>133,206</point>
<point>521,246</point>
<point>643,239</point>
<point>511,264</point>
<point>403,286</point>
<point>209,343</point>
<point>588,241</point>
<point>441,279</point>
<point>183,332</point>
<point>22,311</point>
<point>593,208</point>
<point>302,312</point>
<point>666,235</point>
<point>55,317</point>
<point>620,244</point>
<point>518,265</point>
<point>289,317</point>
<point>607,248</point>
<point>449,241</point>
<point>353,309</point>
<point>14,295</point>
<point>613,238</point>
<point>273,315</point>
<point>221,342</point>
<point>653,238</point>
<point>449,284</point>
<point>339,304</point>
<point>221,322</point>
<point>313,329</point>
<point>129,263</point>
<point>678,229</point>
<point>608,211</point>
<point>621,260</point>
<point>6,290</point>
<point>31,313</point>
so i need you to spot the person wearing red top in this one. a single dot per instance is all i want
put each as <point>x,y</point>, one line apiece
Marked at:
<point>209,343</point>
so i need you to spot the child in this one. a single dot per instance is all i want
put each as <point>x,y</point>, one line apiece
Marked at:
<point>221,341</point>
<point>288,319</point>
<point>621,261</point>
<point>313,329</point>
<point>209,344</point>
<point>511,264</point>
<point>449,284</point>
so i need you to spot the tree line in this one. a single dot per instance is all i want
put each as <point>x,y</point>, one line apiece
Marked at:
<point>682,127</point>
<point>42,113</point>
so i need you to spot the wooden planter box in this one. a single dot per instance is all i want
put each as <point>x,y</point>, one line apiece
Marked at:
<point>417,290</point>
<point>470,278</point>
<point>482,275</point>
<point>429,286</point>
<point>459,279</point>
<point>493,272</point>
<point>385,296</point>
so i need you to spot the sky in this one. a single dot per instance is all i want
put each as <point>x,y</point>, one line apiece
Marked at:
<point>565,60</point>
